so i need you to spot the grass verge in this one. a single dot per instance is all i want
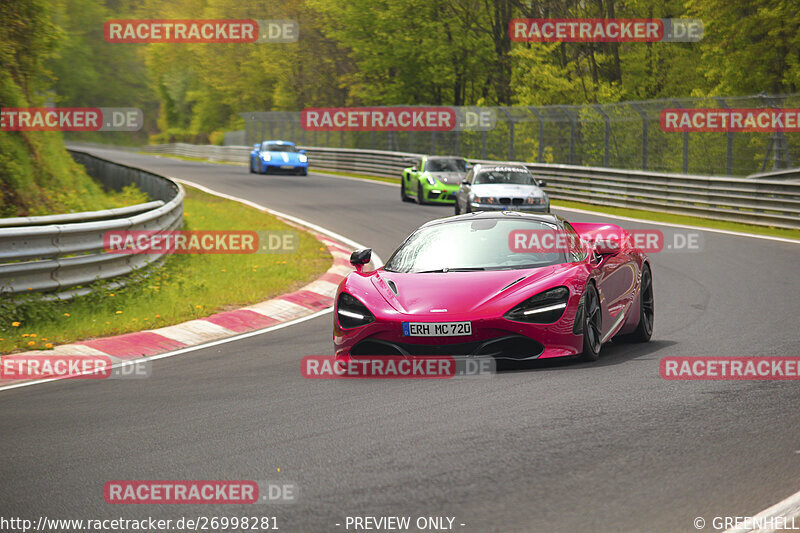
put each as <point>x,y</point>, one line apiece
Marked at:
<point>182,288</point>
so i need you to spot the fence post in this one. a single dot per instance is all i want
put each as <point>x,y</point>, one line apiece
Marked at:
<point>510,133</point>
<point>565,110</point>
<point>728,141</point>
<point>644,133</point>
<point>532,109</point>
<point>685,165</point>
<point>606,133</point>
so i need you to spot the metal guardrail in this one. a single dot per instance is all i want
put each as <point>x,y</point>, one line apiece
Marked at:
<point>767,201</point>
<point>58,253</point>
<point>790,174</point>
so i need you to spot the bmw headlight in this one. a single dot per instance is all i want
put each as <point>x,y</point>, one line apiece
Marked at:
<point>533,200</point>
<point>544,308</point>
<point>266,157</point>
<point>485,200</point>
<point>351,313</point>
<point>302,158</point>
<point>431,181</point>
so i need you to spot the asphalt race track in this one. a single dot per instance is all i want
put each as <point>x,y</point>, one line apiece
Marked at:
<point>609,446</point>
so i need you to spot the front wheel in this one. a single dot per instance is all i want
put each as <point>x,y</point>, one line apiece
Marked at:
<point>420,195</point>
<point>592,324</point>
<point>403,196</point>
<point>644,330</point>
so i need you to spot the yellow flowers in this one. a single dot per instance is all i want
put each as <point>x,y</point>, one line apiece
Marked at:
<point>118,312</point>
<point>111,294</point>
<point>66,314</point>
<point>198,306</point>
<point>16,324</point>
<point>48,346</point>
<point>31,343</point>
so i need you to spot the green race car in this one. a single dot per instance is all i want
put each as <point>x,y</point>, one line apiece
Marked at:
<point>435,181</point>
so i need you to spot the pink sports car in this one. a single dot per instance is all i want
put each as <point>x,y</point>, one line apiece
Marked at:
<point>497,284</point>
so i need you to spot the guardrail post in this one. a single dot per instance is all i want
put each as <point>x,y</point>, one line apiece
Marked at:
<point>644,133</point>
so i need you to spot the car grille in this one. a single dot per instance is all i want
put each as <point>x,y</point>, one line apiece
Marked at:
<point>508,347</point>
<point>512,201</point>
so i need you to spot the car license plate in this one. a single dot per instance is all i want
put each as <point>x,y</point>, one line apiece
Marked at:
<point>287,166</point>
<point>436,329</point>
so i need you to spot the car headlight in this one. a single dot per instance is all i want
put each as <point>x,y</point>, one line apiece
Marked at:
<point>302,158</point>
<point>484,200</point>
<point>351,313</point>
<point>266,157</point>
<point>430,179</point>
<point>533,200</point>
<point>544,308</point>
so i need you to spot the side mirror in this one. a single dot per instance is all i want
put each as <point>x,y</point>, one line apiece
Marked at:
<point>256,146</point>
<point>301,152</point>
<point>414,168</point>
<point>359,258</point>
<point>465,182</point>
<point>607,246</point>
<point>542,183</point>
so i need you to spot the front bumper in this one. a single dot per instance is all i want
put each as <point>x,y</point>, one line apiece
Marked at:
<point>280,166</point>
<point>536,208</point>
<point>440,194</point>
<point>496,337</point>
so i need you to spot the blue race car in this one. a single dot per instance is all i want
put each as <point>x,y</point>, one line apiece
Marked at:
<point>278,156</point>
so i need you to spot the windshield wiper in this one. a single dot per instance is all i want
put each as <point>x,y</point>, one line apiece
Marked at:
<point>463,269</point>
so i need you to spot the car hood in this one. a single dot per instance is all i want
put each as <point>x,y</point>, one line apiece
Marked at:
<point>284,157</point>
<point>449,178</point>
<point>507,190</point>
<point>457,292</point>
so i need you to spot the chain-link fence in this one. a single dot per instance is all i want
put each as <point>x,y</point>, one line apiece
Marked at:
<point>625,135</point>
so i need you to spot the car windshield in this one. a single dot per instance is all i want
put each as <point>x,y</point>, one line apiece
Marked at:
<point>446,165</point>
<point>507,175</point>
<point>279,148</point>
<point>465,245</point>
